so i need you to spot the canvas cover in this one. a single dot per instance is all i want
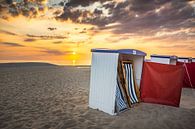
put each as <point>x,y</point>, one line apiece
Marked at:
<point>189,74</point>
<point>130,83</point>
<point>120,99</point>
<point>191,71</point>
<point>127,92</point>
<point>161,83</point>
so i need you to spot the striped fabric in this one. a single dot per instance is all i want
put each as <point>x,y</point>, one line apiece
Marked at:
<point>130,83</point>
<point>120,102</point>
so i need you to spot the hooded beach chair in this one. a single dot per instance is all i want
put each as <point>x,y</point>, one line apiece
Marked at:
<point>115,79</point>
<point>164,59</point>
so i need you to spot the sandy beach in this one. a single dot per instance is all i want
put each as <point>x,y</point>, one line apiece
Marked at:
<point>56,97</point>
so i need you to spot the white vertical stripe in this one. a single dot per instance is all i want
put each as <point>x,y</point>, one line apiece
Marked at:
<point>103,81</point>
<point>133,84</point>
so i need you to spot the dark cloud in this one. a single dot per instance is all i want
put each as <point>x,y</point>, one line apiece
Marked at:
<point>170,15</point>
<point>57,12</point>
<point>142,6</point>
<point>9,1</point>
<point>61,3</point>
<point>98,12</point>
<point>53,51</point>
<point>8,32</point>
<point>96,18</point>
<point>25,10</point>
<point>57,42</point>
<point>135,16</point>
<point>72,14</point>
<point>51,28</point>
<point>2,7</point>
<point>84,3</point>
<point>82,32</point>
<point>13,10</point>
<point>46,37</point>
<point>179,37</point>
<point>178,46</point>
<point>28,8</point>
<point>87,17</point>
<point>29,40</point>
<point>12,44</point>
<point>75,3</point>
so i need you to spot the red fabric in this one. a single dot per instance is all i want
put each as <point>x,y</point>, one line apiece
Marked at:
<point>186,81</point>
<point>162,83</point>
<point>189,74</point>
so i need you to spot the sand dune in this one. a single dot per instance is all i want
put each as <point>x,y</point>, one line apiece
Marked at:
<point>51,97</point>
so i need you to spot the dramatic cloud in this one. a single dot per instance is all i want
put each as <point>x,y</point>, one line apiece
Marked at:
<point>28,8</point>
<point>150,17</point>
<point>11,44</point>
<point>84,3</point>
<point>134,16</point>
<point>69,28</point>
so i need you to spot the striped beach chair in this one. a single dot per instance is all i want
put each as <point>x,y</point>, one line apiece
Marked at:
<point>131,88</point>
<point>120,100</point>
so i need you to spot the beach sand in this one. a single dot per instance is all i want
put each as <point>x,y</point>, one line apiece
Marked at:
<point>56,97</point>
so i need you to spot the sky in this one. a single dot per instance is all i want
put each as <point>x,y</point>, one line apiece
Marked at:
<point>64,31</point>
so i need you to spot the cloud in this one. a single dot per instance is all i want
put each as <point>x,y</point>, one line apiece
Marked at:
<point>12,44</point>
<point>8,32</point>
<point>54,52</point>
<point>135,16</point>
<point>85,11</point>
<point>178,46</point>
<point>84,3</point>
<point>57,42</point>
<point>46,37</point>
<point>172,16</point>
<point>29,40</point>
<point>51,28</point>
<point>82,32</point>
<point>72,14</point>
<point>98,12</point>
<point>28,8</point>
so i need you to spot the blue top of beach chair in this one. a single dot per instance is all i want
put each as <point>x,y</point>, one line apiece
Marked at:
<point>164,56</point>
<point>120,51</point>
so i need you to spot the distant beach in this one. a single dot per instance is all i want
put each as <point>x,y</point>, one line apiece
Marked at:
<point>46,96</point>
